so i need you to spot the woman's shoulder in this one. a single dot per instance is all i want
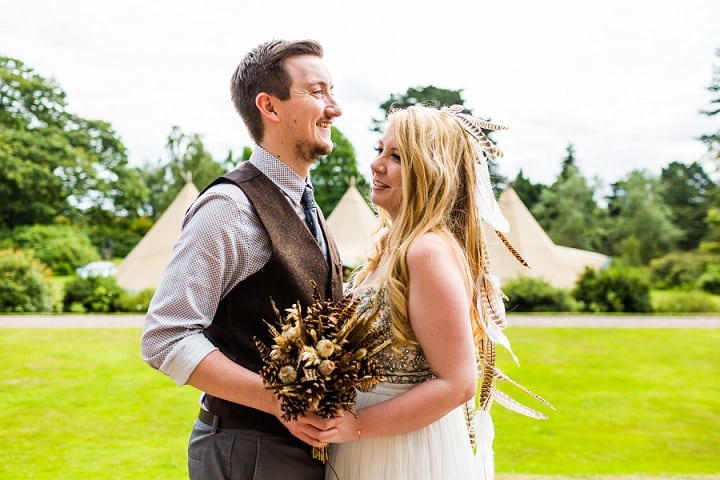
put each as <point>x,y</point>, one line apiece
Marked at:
<point>429,244</point>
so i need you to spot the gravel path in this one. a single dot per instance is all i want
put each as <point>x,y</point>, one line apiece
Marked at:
<point>614,321</point>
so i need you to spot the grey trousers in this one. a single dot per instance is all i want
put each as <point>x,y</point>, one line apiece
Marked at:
<point>248,455</point>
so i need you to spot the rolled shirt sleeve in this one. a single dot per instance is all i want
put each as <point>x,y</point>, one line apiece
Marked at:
<point>222,243</point>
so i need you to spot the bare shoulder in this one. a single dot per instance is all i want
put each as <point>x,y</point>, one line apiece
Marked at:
<point>429,248</point>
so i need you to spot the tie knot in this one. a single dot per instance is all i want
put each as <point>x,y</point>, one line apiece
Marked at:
<point>308,200</point>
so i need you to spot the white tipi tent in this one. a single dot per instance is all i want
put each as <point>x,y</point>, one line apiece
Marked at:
<point>558,265</point>
<point>351,224</point>
<point>145,264</point>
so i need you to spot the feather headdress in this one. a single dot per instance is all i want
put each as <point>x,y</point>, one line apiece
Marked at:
<point>490,301</point>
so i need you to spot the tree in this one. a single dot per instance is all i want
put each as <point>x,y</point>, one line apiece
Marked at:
<point>187,161</point>
<point>431,96</point>
<point>687,191</point>
<point>434,97</point>
<point>712,140</point>
<point>567,209</point>
<point>569,166</point>
<point>528,192</point>
<point>333,173</point>
<point>636,208</point>
<point>53,162</point>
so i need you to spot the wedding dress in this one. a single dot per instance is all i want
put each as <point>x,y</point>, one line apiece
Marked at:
<point>439,451</point>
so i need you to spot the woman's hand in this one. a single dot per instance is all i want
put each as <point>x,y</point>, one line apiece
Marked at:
<point>313,429</point>
<point>347,428</point>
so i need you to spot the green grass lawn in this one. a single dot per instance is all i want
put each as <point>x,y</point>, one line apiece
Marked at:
<point>81,404</point>
<point>629,401</point>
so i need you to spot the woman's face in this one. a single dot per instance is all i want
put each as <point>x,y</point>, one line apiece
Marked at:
<point>386,175</point>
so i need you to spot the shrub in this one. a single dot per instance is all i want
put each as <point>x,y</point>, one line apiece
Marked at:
<point>135,301</point>
<point>709,280</point>
<point>92,294</point>
<point>63,248</point>
<point>25,284</point>
<point>685,302</point>
<point>680,270</point>
<point>615,289</point>
<point>528,294</point>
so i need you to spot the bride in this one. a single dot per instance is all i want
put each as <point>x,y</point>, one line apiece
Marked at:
<point>420,285</point>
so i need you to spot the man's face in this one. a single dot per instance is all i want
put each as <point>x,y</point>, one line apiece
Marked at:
<point>309,112</point>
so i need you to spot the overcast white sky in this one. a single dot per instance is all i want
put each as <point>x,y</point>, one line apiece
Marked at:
<point>622,80</point>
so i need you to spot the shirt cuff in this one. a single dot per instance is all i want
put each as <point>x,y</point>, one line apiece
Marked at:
<point>185,357</point>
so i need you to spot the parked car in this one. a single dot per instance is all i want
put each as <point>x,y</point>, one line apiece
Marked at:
<point>97,269</point>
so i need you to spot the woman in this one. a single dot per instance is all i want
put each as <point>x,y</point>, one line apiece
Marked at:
<point>421,284</point>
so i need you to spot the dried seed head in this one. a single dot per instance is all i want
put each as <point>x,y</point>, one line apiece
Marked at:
<point>324,348</point>
<point>287,374</point>
<point>326,367</point>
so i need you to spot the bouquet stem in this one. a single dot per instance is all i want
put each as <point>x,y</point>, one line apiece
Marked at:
<point>321,453</point>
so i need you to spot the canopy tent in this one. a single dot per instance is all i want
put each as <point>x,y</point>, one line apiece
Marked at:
<point>558,265</point>
<point>351,224</point>
<point>145,264</point>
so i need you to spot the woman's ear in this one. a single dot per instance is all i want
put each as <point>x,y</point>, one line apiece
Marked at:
<point>266,105</point>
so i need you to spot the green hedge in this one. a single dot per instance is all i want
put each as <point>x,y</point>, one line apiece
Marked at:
<point>25,284</point>
<point>528,294</point>
<point>687,271</point>
<point>103,295</point>
<point>615,289</point>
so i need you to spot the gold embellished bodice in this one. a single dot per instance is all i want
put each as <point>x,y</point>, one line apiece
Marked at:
<point>404,363</point>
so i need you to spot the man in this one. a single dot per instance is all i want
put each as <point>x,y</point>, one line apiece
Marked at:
<point>244,242</point>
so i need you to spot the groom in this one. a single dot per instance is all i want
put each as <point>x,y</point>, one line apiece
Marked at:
<point>244,241</point>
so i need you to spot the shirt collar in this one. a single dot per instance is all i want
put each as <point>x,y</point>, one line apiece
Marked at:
<point>279,173</point>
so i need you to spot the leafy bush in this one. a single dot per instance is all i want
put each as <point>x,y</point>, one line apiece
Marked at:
<point>710,247</point>
<point>25,285</point>
<point>528,294</point>
<point>685,302</point>
<point>709,281</point>
<point>680,270</point>
<point>615,289</point>
<point>63,248</point>
<point>92,294</point>
<point>135,301</point>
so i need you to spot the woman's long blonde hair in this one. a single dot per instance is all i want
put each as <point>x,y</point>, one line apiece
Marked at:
<point>438,176</point>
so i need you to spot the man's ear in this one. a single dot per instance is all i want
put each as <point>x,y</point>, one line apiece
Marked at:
<point>266,105</point>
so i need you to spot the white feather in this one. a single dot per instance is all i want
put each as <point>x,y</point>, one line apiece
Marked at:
<point>511,404</point>
<point>485,199</point>
<point>484,457</point>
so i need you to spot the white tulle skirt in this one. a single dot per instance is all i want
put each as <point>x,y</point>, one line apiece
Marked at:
<point>440,451</point>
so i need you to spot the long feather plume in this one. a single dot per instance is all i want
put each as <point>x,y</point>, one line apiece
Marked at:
<point>511,404</point>
<point>512,249</point>
<point>502,376</point>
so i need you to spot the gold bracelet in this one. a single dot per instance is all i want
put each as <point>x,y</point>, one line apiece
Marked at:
<point>355,414</point>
